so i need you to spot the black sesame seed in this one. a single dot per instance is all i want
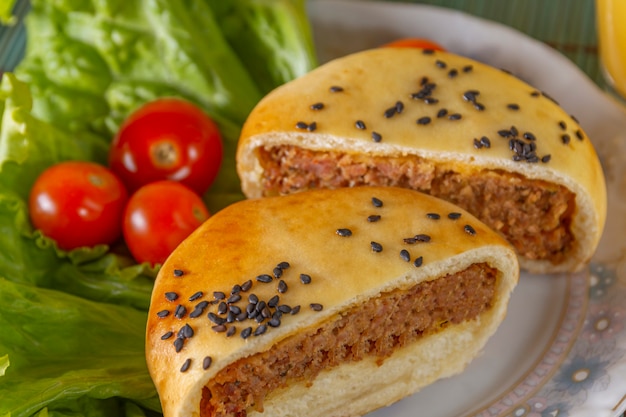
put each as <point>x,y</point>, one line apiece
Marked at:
<point>316,307</point>
<point>216,319</point>
<point>295,310</point>
<point>423,120</point>
<point>565,138</point>
<point>219,328</point>
<point>373,218</point>
<point>180,311</point>
<point>442,113</point>
<point>535,93</point>
<point>422,238</point>
<point>513,106</point>
<point>431,100</point>
<point>359,124</point>
<point>198,309</point>
<point>479,106</point>
<point>377,202</point>
<point>428,51</point>
<point>312,127</point>
<point>470,95</point>
<point>477,144</point>
<point>469,230</point>
<point>260,306</point>
<point>376,247</point>
<point>546,95</point>
<point>179,273</point>
<point>277,272</point>
<point>485,142</point>
<point>236,289</point>
<point>301,125</point>
<point>505,133</point>
<point>171,296</point>
<point>222,308</point>
<point>250,308</point>
<point>284,308</point>
<point>185,332</point>
<point>253,299</point>
<point>260,330</point>
<point>305,278</point>
<point>399,107</point>
<point>376,137</point>
<point>206,362</point>
<point>433,216</point>
<point>440,64</point>
<point>344,232</point>
<point>186,365</point>
<point>418,261</point>
<point>317,106</point>
<point>274,322</point>
<point>579,134</point>
<point>218,295</point>
<point>529,136</point>
<point>234,298</point>
<point>231,331</point>
<point>196,295</point>
<point>562,125</point>
<point>453,73</point>
<point>163,313</point>
<point>273,302</point>
<point>265,278</point>
<point>546,158</point>
<point>390,112</point>
<point>336,89</point>
<point>243,316</point>
<point>245,333</point>
<point>455,116</point>
<point>468,68</point>
<point>454,215</point>
<point>167,335</point>
<point>178,344</point>
<point>283,265</point>
<point>245,287</point>
<point>405,255</point>
<point>282,286</point>
<point>424,81</point>
<point>234,309</point>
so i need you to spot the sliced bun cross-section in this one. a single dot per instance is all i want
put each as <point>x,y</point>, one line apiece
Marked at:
<point>324,303</point>
<point>443,124</point>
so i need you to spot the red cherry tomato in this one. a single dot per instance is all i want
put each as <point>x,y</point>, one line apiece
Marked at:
<point>167,139</point>
<point>158,217</point>
<point>78,204</point>
<point>414,43</point>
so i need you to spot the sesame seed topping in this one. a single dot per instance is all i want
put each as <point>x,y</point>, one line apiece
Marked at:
<point>163,313</point>
<point>479,106</point>
<point>399,107</point>
<point>206,362</point>
<point>579,134</point>
<point>336,89</point>
<point>171,296</point>
<point>423,120</point>
<point>529,136</point>
<point>376,137</point>
<point>277,272</point>
<point>301,125</point>
<point>359,124</point>
<point>431,100</point>
<point>442,113</point>
<point>231,331</point>
<point>453,73</point>
<point>178,344</point>
<point>305,279</point>
<point>344,232</point>
<point>236,289</point>
<point>418,261</point>
<point>215,318</point>
<point>179,273</point>
<point>546,158</point>
<point>234,298</point>
<point>180,311</point>
<point>455,116</point>
<point>373,218</point>
<point>245,333</point>
<point>218,295</point>
<point>390,112</point>
<point>317,106</point>
<point>219,328</point>
<point>185,332</point>
<point>316,307</point>
<point>469,230</point>
<point>253,299</point>
<point>535,93</point>
<point>274,322</point>
<point>428,51</point>
<point>468,68</point>
<point>454,215</point>
<point>282,286</point>
<point>470,95</point>
<point>186,365</point>
<point>562,125</point>
<point>405,255</point>
<point>565,138</point>
<point>167,335</point>
<point>196,295</point>
<point>260,330</point>
<point>440,64</point>
<point>295,310</point>
<point>265,278</point>
<point>433,216</point>
<point>513,106</point>
<point>245,287</point>
<point>377,202</point>
<point>376,247</point>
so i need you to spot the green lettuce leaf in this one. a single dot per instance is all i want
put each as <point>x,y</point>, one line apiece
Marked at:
<point>67,353</point>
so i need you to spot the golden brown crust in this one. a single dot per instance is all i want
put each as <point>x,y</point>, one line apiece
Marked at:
<point>251,237</point>
<point>489,103</point>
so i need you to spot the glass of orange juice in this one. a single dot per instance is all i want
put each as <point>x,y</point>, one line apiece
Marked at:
<point>611,26</point>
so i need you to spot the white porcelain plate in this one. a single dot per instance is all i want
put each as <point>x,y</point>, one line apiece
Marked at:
<point>562,349</point>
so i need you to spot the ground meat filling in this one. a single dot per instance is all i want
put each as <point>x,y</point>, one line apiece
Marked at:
<point>375,328</point>
<point>533,215</point>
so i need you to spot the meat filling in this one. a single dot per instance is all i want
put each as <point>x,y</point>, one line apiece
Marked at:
<point>533,215</point>
<point>374,329</point>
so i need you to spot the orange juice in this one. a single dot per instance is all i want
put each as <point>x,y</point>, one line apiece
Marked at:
<point>611,24</point>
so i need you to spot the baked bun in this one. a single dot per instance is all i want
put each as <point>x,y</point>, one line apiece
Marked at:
<point>308,305</point>
<point>442,124</point>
